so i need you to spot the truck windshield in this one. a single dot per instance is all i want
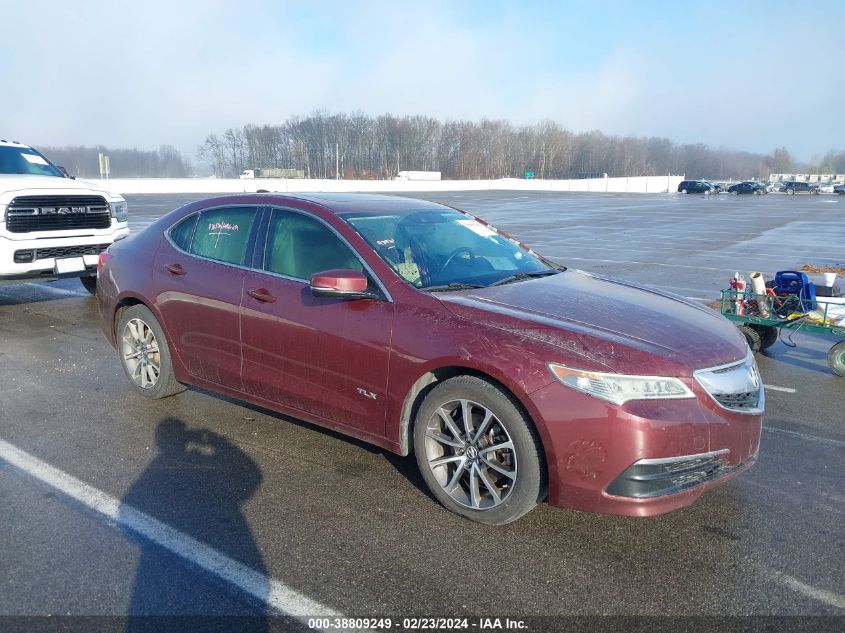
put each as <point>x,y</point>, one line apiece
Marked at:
<point>23,160</point>
<point>446,250</point>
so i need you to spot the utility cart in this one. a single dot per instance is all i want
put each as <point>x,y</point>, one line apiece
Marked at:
<point>761,318</point>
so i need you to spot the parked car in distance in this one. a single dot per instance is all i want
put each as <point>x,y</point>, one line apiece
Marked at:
<point>696,186</point>
<point>422,329</point>
<point>747,187</point>
<point>826,187</point>
<point>791,187</point>
<point>840,189</point>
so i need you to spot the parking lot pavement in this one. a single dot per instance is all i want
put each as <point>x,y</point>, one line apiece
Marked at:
<point>351,527</point>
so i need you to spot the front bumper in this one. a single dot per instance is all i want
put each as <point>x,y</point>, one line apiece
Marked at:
<point>643,458</point>
<point>45,247</point>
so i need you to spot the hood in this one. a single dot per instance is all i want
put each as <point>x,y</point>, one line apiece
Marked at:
<point>606,325</point>
<point>12,185</point>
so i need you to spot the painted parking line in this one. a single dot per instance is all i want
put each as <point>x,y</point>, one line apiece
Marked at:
<point>805,436</point>
<point>821,595</point>
<point>275,594</point>
<point>783,389</point>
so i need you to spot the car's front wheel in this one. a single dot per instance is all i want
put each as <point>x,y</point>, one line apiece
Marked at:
<point>144,353</point>
<point>478,452</point>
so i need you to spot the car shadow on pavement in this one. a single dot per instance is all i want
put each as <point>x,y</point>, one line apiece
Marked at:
<point>38,292</point>
<point>196,484</point>
<point>406,466</point>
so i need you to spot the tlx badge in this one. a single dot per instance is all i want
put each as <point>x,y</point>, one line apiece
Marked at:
<point>366,394</point>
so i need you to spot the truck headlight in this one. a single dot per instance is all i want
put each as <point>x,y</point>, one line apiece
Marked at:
<point>620,388</point>
<point>119,211</point>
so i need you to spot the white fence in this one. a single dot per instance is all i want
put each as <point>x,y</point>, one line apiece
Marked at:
<point>634,184</point>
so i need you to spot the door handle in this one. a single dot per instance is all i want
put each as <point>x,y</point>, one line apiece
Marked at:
<point>262,295</point>
<point>175,269</point>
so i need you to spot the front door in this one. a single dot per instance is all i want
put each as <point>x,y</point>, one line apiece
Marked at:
<point>325,356</point>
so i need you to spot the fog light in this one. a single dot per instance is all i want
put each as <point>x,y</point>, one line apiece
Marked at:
<point>24,257</point>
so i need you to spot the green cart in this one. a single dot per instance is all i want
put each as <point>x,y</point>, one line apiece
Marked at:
<point>782,313</point>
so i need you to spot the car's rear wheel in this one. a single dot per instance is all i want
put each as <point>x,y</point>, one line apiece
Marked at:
<point>836,358</point>
<point>90,283</point>
<point>790,192</point>
<point>144,354</point>
<point>477,451</point>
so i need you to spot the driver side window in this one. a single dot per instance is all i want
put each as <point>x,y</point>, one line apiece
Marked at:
<point>298,246</point>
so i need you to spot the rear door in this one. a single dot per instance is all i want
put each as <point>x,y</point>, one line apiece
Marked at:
<point>199,273</point>
<point>325,356</point>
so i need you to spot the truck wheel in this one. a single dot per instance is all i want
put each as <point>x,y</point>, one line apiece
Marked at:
<point>144,354</point>
<point>836,358</point>
<point>478,452</point>
<point>90,283</point>
<point>790,192</point>
<point>768,335</point>
<point>751,337</point>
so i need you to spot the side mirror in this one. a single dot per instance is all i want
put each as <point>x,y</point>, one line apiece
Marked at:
<point>342,283</point>
<point>64,171</point>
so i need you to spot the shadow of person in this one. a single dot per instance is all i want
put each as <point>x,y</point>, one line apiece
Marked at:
<point>196,484</point>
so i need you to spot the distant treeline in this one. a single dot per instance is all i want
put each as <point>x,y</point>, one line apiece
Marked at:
<point>379,147</point>
<point>165,162</point>
<point>367,147</point>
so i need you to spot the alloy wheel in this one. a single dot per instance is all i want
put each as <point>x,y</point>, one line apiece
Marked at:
<point>140,353</point>
<point>471,454</point>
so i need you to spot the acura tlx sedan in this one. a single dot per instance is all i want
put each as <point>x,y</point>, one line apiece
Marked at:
<point>422,329</point>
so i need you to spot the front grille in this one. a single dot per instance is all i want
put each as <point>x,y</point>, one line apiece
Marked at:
<point>27,214</point>
<point>736,386</point>
<point>738,401</point>
<point>65,251</point>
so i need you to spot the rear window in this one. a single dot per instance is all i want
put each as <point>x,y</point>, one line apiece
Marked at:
<point>182,233</point>
<point>222,234</point>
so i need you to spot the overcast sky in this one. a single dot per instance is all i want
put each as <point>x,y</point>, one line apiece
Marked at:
<point>746,75</point>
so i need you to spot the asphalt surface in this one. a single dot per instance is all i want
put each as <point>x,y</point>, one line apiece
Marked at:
<point>352,527</point>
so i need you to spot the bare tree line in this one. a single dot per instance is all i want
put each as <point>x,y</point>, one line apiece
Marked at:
<point>379,147</point>
<point>367,147</point>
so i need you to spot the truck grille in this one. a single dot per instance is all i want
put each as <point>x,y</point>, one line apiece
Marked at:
<point>27,214</point>
<point>60,251</point>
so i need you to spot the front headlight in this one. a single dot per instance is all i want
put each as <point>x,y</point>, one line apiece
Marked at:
<point>620,388</point>
<point>119,211</point>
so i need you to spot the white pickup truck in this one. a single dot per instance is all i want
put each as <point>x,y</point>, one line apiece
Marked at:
<point>52,226</point>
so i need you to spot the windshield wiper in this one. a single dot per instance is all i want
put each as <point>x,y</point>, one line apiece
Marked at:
<point>451,287</point>
<point>521,276</point>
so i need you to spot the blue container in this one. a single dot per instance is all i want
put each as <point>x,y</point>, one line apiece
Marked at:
<point>792,282</point>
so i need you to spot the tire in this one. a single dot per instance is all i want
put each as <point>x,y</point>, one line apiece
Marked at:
<point>137,328</point>
<point>790,192</point>
<point>520,479</point>
<point>768,335</point>
<point>734,192</point>
<point>683,191</point>
<point>751,337</point>
<point>836,358</point>
<point>90,283</point>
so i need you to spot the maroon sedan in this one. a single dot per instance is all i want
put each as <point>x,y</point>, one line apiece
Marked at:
<point>423,329</point>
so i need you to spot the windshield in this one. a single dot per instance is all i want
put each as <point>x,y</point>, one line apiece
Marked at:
<point>23,160</point>
<point>436,249</point>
